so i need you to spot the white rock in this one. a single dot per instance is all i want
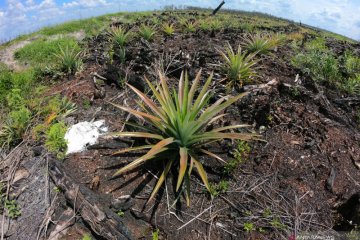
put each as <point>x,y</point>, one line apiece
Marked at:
<point>84,134</point>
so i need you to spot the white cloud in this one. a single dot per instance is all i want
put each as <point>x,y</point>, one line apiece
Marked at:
<point>85,3</point>
<point>46,4</point>
<point>29,2</point>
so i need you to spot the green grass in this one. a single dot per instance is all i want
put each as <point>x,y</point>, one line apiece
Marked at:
<point>23,81</point>
<point>41,52</point>
<point>15,126</point>
<point>319,62</point>
<point>91,26</point>
<point>351,64</point>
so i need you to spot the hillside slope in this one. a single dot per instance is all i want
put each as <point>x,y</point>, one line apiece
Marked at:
<point>299,176</point>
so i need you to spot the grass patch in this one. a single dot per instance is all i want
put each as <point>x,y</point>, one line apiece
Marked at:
<point>41,52</point>
<point>91,26</point>
<point>317,61</point>
<point>23,105</point>
<point>12,82</point>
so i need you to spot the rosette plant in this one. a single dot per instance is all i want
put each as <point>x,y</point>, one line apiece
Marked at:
<point>176,124</point>
<point>239,66</point>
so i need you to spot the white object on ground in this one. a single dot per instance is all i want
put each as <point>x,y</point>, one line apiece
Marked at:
<point>84,134</point>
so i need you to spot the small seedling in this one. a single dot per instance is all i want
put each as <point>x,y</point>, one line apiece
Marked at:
<point>261,44</point>
<point>86,104</point>
<point>276,223</point>
<point>267,213</point>
<point>13,209</point>
<point>120,213</point>
<point>155,234</point>
<point>352,64</point>
<point>221,187</point>
<point>239,154</point>
<point>249,227</point>
<point>15,126</point>
<point>86,237</point>
<point>55,141</point>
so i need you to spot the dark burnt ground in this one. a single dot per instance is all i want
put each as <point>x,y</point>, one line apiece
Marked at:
<point>294,181</point>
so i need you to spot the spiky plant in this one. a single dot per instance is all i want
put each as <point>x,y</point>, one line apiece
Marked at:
<point>122,54</point>
<point>168,28</point>
<point>189,26</point>
<point>215,24</point>
<point>120,36</point>
<point>176,127</point>
<point>352,85</point>
<point>352,64</point>
<point>205,24</point>
<point>257,43</point>
<point>69,59</point>
<point>239,66</point>
<point>147,32</point>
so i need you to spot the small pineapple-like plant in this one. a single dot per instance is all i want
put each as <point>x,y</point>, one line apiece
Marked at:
<point>261,44</point>
<point>189,26</point>
<point>239,66</point>
<point>120,36</point>
<point>168,29</point>
<point>147,32</point>
<point>176,128</point>
<point>69,59</point>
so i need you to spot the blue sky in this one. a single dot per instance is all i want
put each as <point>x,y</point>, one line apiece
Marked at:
<point>24,16</point>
